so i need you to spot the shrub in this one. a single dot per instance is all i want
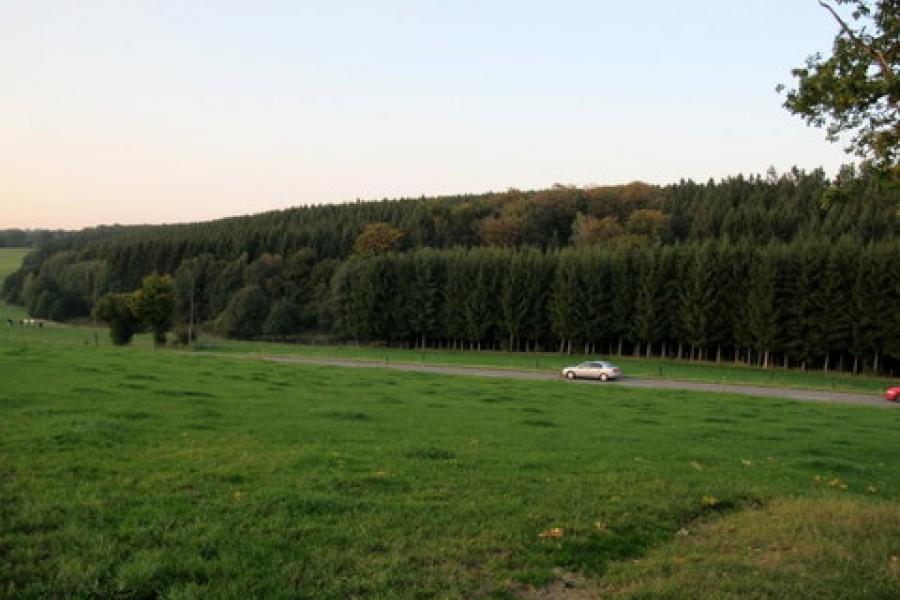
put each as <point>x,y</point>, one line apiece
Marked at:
<point>118,311</point>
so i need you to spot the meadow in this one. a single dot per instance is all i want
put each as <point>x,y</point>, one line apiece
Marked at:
<point>141,473</point>
<point>10,259</point>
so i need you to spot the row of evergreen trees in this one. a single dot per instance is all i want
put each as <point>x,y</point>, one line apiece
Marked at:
<point>806,304</point>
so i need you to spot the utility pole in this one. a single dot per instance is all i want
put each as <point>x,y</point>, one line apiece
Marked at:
<point>191,323</point>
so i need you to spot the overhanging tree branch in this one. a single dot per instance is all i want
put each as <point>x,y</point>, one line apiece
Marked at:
<point>879,57</point>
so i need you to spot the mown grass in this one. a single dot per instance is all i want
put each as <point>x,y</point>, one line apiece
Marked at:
<point>133,473</point>
<point>704,371</point>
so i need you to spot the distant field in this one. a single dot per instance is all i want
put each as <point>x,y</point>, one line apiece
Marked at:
<point>11,259</point>
<point>638,367</point>
<point>140,473</point>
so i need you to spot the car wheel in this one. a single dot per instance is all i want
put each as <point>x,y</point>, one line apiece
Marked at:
<point>603,376</point>
<point>570,374</point>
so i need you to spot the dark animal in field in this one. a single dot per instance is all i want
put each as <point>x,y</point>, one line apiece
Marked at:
<point>9,322</point>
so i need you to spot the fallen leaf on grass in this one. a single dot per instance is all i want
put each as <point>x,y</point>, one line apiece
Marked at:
<point>601,527</point>
<point>554,532</point>
<point>709,501</point>
<point>747,462</point>
<point>696,465</point>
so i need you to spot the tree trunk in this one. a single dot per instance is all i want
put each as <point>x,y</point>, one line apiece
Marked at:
<point>855,364</point>
<point>649,348</point>
<point>620,345</point>
<point>827,358</point>
<point>718,353</point>
<point>766,359</point>
<point>875,363</point>
<point>680,350</point>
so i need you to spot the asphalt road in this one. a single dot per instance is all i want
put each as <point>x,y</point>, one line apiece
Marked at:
<point>664,384</point>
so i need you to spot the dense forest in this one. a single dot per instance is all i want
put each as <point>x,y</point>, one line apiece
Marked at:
<point>794,270</point>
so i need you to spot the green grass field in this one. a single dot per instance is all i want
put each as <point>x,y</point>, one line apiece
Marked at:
<point>11,259</point>
<point>141,473</point>
<point>138,473</point>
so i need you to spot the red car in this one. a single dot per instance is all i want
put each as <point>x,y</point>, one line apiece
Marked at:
<point>892,394</point>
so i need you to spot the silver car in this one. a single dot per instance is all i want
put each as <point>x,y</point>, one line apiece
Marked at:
<point>593,369</point>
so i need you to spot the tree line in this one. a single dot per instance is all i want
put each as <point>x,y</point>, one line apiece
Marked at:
<point>735,270</point>
<point>758,209</point>
<point>27,238</point>
<point>807,304</point>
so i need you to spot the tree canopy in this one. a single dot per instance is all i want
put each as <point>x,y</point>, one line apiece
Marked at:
<point>856,90</point>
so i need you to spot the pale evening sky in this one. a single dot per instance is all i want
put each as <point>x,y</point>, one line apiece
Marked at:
<point>147,112</point>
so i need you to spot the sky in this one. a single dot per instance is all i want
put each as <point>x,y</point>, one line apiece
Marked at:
<point>170,111</point>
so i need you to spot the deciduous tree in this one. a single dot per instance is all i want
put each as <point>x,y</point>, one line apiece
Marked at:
<point>154,305</point>
<point>856,90</point>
